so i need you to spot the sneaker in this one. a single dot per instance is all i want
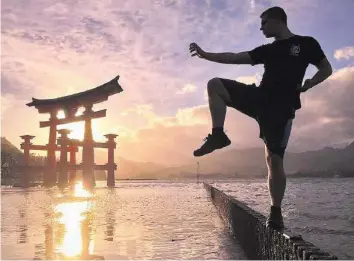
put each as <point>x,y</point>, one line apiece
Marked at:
<point>212,142</point>
<point>275,221</point>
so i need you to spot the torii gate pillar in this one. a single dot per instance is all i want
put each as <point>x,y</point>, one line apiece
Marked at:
<point>26,153</point>
<point>111,166</point>
<point>50,178</point>
<point>88,152</point>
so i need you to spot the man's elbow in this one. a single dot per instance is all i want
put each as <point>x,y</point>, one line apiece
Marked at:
<point>325,67</point>
<point>326,71</point>
<point>329,70</point>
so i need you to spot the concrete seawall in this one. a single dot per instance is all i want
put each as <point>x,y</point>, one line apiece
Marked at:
<point>259,242</point>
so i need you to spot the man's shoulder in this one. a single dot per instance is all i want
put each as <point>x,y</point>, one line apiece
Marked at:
<point>262,46</point>
<point>297,40</point>
<point>306,38</point>
<point>295,37</point>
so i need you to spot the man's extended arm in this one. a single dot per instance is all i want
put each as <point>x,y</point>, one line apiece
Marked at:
<point>228,58</point>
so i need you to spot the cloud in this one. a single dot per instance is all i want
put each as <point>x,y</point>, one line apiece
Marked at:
<point>172,140</point>
<point>205,95</point>
<point>344,53</point>
<point>327,115</point>
<point>326,118</point>
<point>55,48</point>
<point>188,88</point>
<point>166,140</point>
<point>248,79</point>
<point>7,102</point>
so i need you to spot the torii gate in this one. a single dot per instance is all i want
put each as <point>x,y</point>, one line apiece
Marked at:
<point>70,104</point>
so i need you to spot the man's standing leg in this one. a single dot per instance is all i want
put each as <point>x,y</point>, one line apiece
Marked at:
<point>276,187</point>
<point>276,177</point>
<point>274,155</point>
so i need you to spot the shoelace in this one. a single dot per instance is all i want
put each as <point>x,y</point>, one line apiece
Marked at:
<point>209,135</point>
<point>206,138</point>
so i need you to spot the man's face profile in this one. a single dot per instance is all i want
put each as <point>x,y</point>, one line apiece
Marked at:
<point>268,26</point>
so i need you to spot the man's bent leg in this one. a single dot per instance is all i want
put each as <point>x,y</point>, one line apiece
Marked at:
<point>218,98</point>
<point>225,93</point>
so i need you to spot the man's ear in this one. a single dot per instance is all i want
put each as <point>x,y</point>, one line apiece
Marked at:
<point>278,22</point>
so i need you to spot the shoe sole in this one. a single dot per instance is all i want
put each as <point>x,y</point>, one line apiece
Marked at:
<point>199,155</point>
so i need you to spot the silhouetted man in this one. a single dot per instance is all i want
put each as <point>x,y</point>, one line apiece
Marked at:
<point>273,103</point>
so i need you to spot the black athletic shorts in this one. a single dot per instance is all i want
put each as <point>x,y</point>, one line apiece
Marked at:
<point>274,123</point>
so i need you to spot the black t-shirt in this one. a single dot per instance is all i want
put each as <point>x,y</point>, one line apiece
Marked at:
<point>285,62</point>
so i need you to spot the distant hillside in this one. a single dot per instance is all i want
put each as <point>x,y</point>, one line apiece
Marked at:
<point>138,170</point>
<point>231,163</point>
<point>251,163</point>
<point>238,163</point>
<point>8,147</point>
<point>11,155</point>
<point>325,159</point>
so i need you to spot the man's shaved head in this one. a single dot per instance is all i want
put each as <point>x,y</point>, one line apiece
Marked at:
<point>277,13</point>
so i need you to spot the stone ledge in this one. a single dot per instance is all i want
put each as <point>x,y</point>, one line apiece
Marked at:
<point>247,226</point>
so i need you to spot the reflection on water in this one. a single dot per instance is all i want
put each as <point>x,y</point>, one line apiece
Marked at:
<point>110,221</point>
<point>135,220</point>
<point>80,191</point>
<point>69,234</point>
<point>73,228</point>
<point>22,229</point>
<point>163,220</point>
<point>23,234</point>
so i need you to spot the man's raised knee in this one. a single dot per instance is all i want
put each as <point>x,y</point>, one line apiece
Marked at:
<point>214,85</point>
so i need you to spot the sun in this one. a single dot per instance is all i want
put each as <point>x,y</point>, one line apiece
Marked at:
<point>78,129</point>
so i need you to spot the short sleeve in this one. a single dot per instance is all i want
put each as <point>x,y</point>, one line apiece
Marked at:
<point>316,53</point>
<point>258,54</point>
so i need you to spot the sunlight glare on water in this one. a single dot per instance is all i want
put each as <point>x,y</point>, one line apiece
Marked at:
<point>72,217</point>
<point>80,191</point>
<point>134,220</point>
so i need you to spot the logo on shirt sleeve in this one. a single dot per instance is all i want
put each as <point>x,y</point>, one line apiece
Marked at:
<point>295,49</point>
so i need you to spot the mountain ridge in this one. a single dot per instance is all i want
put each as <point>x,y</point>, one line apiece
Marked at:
<point>229,162</point>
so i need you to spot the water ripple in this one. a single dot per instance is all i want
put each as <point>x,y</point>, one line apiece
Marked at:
<point>142,220</point>
<point>321,210</point>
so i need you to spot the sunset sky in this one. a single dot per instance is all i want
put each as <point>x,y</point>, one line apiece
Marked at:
<point>55,48</point>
